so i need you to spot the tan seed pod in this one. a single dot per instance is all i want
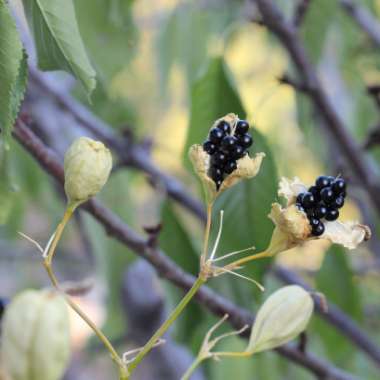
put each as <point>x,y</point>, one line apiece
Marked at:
<point>87,166</point>
<point>35,341</point>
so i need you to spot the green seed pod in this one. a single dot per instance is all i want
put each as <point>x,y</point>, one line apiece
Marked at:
<point>35,341</point>
<point>87,165</point>
<point>283,316</point>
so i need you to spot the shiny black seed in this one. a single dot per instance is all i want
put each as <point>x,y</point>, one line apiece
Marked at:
<point>314,222</point>
<point>241,127</point>
<point>299,198</point>
<point>224,126</point>
<point>245,140</point>
<point>216,135</point>
<point>216,173</point>
<point>327,195</point>
<point>308,200</point>
<point>219,158</point>
<point>320,211</point>
<point>228,142</point>
<point>310,213</point>
<point>338,202</point>
<point>299,206</point>
<point>238,152</point>
<point>316,192</point>
<point>209,147</point>
<point>339,185</point>
<point>332,214</point>
<point>322,182</point>
<point>318,230</point>
<point>230,167</point>
<point>218,182</point>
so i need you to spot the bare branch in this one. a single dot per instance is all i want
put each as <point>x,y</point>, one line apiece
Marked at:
<point>166,267</point>
<point>300,12</point>
<point>288,36</point>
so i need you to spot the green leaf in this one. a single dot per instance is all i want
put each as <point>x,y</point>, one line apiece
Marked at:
<point>6,188</point>
<point>335,279</point>
<point>176,242</point>
<point>12,67</point>
<point>315,27</point>
<point>58,41</point>
<point>178,245</point>
<point>246,205</point>
<point>212,96</point>
<point>110,34</point>
<point>191,24</point>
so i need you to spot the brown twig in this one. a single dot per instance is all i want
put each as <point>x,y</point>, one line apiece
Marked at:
<point>167,268</point>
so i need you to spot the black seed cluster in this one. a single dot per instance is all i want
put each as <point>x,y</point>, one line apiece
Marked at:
<point>322,201</point>
<point>225,146</point>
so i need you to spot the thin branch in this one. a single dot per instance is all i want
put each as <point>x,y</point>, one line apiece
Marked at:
<point>130,154</point>
<point>364,19</point>
<point>297,85</point>
<point>166,267</point>
<point>185,199</point>
<point>288,36</point>
<point>300,12</point>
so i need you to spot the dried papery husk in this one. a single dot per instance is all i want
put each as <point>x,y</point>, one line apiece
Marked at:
<point>87,165</point>
<point>283,316</point>
<point>293,228</point>
<point>35,341</point>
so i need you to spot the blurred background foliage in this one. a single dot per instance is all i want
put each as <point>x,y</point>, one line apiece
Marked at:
<point>165,71</point>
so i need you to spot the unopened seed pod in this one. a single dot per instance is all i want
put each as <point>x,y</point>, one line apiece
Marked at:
<point>87,166</point>
<point>35,342</point>
<point>283,316</point>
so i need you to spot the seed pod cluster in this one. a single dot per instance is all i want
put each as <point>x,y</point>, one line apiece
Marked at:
<point>322,201</point>
<point>226,143</point>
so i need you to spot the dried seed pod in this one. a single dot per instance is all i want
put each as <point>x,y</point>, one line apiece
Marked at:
<point>87,166</point>
<point>35,341</point>
<point>283,316</point>
<point>293,228</point>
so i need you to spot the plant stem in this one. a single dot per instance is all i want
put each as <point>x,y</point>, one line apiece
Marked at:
<point>123,371</point>
<point>191,369</point>
<point>207,234</point>
<point>58,233</point>
<point>164,327</point>
<point>245,260</point>
<point>202,278</point>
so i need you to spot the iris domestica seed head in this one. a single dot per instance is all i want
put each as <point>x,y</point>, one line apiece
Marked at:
<point>87,167</point>
<point>322,201</point>
<point>222,160</point>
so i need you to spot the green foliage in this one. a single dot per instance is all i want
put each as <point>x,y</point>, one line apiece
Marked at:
<point>178,245</point>
<point>247,204</point>
<point>186,34</point>
<point>6,190</point>
<point>336,280</point>
<point>12,71</point>
<point>109,33</point>
<point>316,26</point>
<point>58,41</point>
<point>213,95</point>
